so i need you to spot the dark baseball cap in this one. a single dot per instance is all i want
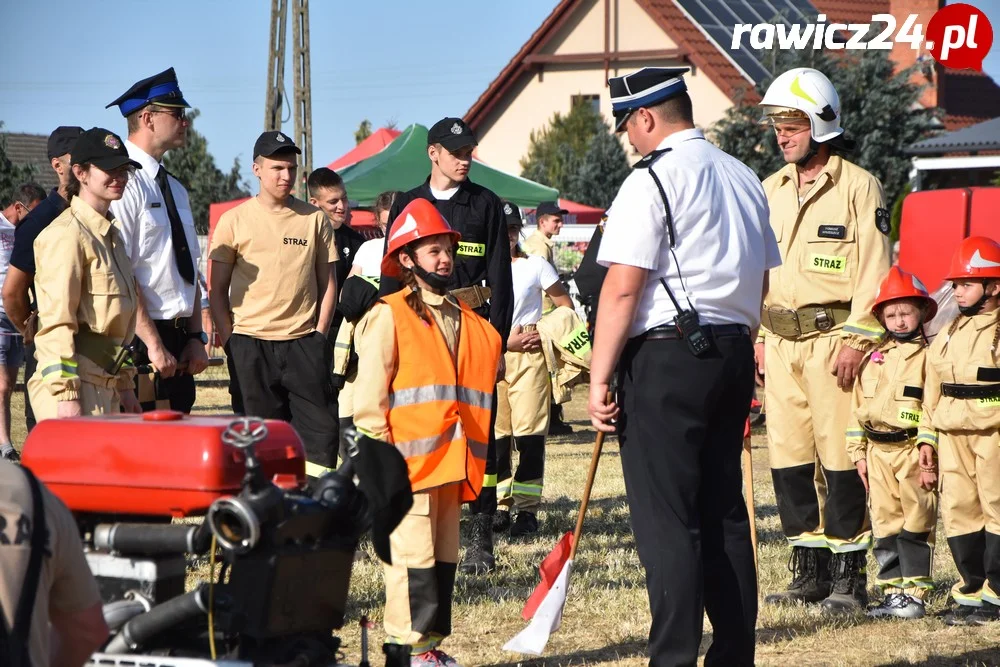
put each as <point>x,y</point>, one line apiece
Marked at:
<point>549,208</point>
<point>273,142</point>
<point>62,139</point>
<point>452,133</point>
<point>512,215</point>
<point>102,148</point>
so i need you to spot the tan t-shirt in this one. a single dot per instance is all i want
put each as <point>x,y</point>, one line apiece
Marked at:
<point>66,582</point>
<point>273,293</point>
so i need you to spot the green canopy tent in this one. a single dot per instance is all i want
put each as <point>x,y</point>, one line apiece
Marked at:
<point>403,165</point>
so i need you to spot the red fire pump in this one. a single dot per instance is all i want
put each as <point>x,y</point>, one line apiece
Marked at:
<point>287,547</point>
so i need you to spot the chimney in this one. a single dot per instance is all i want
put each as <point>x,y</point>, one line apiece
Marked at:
<point>904,56</point>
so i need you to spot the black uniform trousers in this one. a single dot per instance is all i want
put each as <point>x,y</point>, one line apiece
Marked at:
<point>179,389</point>
<point>290,380</point>
<point>681,434</point>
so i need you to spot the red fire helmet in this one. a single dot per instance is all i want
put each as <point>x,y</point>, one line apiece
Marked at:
<point>899,284</point>
<point>976,257</point>
<point>418,220</point>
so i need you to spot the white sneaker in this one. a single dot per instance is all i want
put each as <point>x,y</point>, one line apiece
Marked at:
<point>898,605</point>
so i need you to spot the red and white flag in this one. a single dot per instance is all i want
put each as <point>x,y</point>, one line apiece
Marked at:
<point>545,605</point>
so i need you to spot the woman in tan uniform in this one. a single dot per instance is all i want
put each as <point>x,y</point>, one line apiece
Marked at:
<point>86,291</point>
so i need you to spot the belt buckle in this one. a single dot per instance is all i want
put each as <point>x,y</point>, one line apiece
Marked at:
<point>823,320</point>
<point>787,324</point>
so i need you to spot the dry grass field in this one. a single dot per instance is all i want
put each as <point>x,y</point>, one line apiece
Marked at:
<point>606,616</point>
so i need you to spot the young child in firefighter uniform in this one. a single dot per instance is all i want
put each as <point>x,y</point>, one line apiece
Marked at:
<point>901,477</point>
<point>961,417</point>
<point>523,395</point>
<point>429,364</point>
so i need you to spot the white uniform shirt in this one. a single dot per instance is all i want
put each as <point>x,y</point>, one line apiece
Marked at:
<point>142,217</point>
<point>724,243</point>
<point>368,258</point>
<point>530,277</point>
<point>6,248</point>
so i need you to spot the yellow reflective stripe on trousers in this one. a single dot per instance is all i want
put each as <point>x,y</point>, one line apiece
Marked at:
<point>860,543</point>
<point>918,582</point>
<point>440,392</point>
<point>504,487</point>
<point>64,368</point>
<point>489,480</point>
<point>316,470</point>
<point>527,489</point>
<point>471,249</point>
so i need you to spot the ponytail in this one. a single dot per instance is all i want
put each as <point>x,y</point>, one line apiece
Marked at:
<point>414,298</point>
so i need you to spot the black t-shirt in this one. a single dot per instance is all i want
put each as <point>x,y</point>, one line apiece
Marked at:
<point>23,254</point>
<point>348,241</point>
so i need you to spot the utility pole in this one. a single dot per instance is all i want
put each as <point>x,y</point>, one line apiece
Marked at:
<point>302,95</point>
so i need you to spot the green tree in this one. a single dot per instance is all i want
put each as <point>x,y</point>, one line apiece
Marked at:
<point>579,155</point>
<point>195,167</point>
<point>11,175</point>
<point>880,112</point>
<point>363,132</point>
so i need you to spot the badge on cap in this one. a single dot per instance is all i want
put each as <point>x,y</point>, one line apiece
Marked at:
<point>456,129</point>
<point>280,138</point>
<point>111,141</point>
<point>882,220</point>
<point>507,209</point>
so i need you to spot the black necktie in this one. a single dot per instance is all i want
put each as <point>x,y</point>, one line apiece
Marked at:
<point>182,254</point>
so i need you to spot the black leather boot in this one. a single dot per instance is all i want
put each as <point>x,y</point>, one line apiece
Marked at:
<point>479,554</point>
<point>850,584</point>
<point>810,570</point>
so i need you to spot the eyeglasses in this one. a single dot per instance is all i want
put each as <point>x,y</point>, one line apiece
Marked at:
<point>786,131</point>
<point>178,114</point>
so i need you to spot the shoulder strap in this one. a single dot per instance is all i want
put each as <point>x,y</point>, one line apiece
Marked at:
<point>14,643</point>
<point>646,163</point>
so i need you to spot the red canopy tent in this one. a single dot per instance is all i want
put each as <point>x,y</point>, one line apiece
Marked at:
<point>381,138</point>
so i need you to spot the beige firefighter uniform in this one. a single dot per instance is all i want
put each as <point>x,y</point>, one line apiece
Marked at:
<point>883,431</point>
<point>65,585</point>
<point>342,347</point>
<point>835,249</point>
<point>541,245</point>
<point>86,311</point>
<point>965,433</point>
<point>522,424</point>
<point>427,539</point>
<point>566,346</point>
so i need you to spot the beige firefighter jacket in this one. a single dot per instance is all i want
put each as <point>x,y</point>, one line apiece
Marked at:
<point>566,346</point>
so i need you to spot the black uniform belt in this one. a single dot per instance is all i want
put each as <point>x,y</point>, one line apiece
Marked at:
<point>670,332</point>
<point>799,322</point>
<point>899,435</point>
<point>473,297</point>
<point>174,322</point>
<point>970,390</point>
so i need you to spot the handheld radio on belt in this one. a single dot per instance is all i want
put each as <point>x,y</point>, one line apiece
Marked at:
<point>687,321</point>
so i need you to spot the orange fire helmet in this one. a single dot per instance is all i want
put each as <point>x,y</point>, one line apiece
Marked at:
<point>418,220</point>
<point>902,285</point>
<point>976,257</point>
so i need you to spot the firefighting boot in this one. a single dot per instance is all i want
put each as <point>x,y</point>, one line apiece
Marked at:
<point>958,614</point>
<point>556,424</point>
<point>525,523</point>
<point>479,554</point>
<point>501,521</point>
<point>988,613</point>
<point>396,655</point>
<point>810,570</point>
<point>850,584</point>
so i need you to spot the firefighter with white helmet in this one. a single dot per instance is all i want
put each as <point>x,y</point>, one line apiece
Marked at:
<point>830,219</point>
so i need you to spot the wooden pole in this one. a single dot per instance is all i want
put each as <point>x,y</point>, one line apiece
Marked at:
<point>748,494</point>
<point>594,458</point>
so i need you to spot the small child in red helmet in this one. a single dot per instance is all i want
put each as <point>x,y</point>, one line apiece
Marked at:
<point>898,471</point>
<point>961,417</point>
<point>427,366</point>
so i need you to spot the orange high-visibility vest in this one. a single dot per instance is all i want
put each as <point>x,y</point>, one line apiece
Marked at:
<point>439,415</point>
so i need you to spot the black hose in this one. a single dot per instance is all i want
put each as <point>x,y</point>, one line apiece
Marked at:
<point>150,538</point>
<point>162,617</point>
<point>119,612</point>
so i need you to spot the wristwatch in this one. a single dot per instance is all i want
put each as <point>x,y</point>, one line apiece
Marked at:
<point>199,335</point>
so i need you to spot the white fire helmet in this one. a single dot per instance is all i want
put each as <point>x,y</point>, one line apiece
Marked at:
<point>804,92</point>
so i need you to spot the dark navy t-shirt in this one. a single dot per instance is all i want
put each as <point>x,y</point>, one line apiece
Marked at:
<point>23,255</point>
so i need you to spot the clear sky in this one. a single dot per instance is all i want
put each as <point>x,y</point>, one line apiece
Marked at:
<point>385,60</point>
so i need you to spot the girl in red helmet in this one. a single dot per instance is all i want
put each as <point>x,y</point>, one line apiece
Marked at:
<point>428,365</point>
<point>961,418</point>
<point>899,474</point>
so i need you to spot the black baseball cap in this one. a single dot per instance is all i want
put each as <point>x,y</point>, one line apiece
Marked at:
<point>102,148</point>
<point>512,215</point>
<point>452,133</point>
<point>273,142</point>
<point>549,208</point>
<point>62,139</point>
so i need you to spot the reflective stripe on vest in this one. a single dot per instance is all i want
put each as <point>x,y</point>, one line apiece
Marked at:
<point>439,409</point>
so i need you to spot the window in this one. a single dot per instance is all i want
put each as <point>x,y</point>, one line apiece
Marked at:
<point>593,100</point>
